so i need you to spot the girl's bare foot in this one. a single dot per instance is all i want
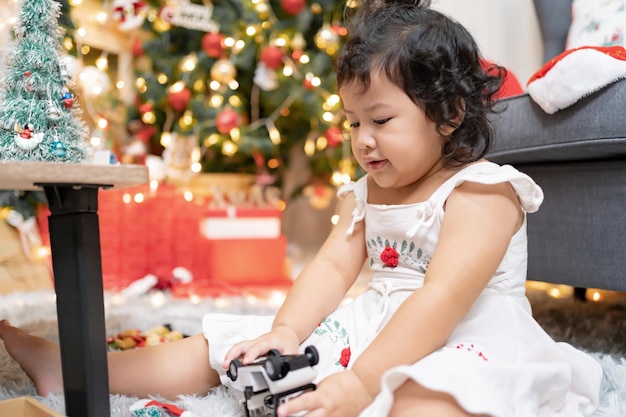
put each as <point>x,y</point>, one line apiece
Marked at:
<point>39,358</point>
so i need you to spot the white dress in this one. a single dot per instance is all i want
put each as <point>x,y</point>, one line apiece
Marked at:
<point>498,361</point>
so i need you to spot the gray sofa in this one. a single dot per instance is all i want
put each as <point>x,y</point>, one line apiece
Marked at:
<point>578,157</point>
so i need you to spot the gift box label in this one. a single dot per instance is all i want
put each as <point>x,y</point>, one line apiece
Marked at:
<point>234,223</point>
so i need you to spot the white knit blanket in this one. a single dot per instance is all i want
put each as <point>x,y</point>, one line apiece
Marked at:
<point>36,313</point>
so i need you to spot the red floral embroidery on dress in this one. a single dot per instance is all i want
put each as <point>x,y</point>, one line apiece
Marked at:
<point>338,335</point>
<point>407,254</point>
<point>470,348</point>
<point>344,360</point>
<point>389,256</point>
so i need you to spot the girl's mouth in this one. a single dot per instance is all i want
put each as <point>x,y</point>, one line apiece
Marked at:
<point>377,165</point>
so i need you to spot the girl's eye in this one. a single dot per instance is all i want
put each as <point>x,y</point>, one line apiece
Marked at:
<point>382,121</point>
<point>354,125</point>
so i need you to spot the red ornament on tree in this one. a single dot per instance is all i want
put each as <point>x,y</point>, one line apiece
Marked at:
<point>333,136</point>
<point>296,55</point>
<point>179,99</point>
<point>339,29</point>
<point>292,7</point>
<point>227,120</point>
<point>145,134</point>
<point>213,44</point>
<point>145,108</point>
<point>272,57</point>
<point>67,98</point>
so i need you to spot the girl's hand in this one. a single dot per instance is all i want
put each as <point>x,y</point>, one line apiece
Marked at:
<point>340,395</point>
<point>282,338</point>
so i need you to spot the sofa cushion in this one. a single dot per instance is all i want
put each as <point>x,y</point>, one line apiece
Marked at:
<point>592,128</point>
<point>578,235</point>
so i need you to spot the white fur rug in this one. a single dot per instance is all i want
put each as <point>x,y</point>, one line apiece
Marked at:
<point>36,313</point>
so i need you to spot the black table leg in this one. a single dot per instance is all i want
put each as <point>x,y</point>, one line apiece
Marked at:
<point>580,293</point>
<point>77,265</point>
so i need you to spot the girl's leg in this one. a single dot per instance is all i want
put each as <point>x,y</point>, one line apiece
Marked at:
<point>39,358</point>
<point>412,399</point>
<point>168,370</point>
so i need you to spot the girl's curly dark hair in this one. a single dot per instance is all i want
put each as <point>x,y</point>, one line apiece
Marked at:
<point>434,60</point>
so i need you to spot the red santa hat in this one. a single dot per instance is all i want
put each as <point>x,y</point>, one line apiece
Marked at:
<point>149,408</point>
<point>574,74</point>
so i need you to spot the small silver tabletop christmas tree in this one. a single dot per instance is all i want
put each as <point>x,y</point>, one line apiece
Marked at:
<point>40,119</point>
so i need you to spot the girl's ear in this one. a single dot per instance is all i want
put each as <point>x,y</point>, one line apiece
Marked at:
<point>449,128</point>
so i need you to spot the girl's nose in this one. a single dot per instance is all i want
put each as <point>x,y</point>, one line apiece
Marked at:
<point>364,140</point>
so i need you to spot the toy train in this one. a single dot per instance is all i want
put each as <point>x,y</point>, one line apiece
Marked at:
<point>273,380</point>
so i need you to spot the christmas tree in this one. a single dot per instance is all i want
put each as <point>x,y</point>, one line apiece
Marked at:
<point>239,86</point>
<point>40,119</point>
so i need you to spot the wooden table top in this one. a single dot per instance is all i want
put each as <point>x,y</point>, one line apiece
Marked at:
<point>24,175</point>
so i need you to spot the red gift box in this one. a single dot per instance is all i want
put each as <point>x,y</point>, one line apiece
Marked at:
<point>144,231</point>
<point>247,261</point>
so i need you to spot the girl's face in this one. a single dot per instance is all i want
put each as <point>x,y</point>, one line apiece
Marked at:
<point>392,139</point>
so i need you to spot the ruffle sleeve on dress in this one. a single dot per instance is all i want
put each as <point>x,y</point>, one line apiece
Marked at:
<point>529,193</point>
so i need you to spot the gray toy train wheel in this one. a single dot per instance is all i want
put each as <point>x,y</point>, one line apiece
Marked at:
<point>233,369</point>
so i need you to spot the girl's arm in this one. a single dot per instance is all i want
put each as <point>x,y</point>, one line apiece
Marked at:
<point>323,283</point>
<point>476,230</point>
<point>317,291</point>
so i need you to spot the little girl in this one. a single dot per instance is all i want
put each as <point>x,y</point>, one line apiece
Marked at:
<point>444,328</point>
